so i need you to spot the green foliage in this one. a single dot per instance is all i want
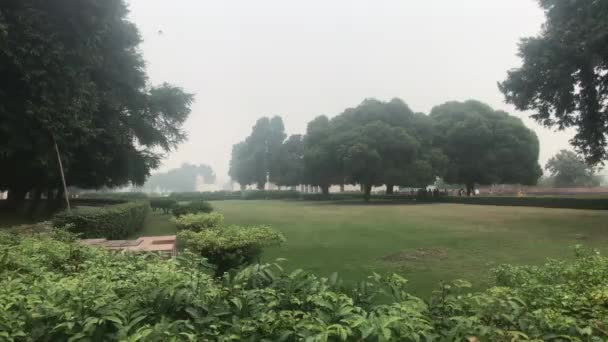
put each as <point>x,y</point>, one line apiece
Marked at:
<point>88,92</point>
<point>256,159</point>
<point>374,143</point>
<point>485,146</point>
<point>198,222</point>
<point>193,207</point>
<point>564,74</point>
<point>163,204</point>
<point>230,247</point>
<point>110,222</point>
<point>290,167</point>
<point>567,169</point>
<point>54,290</point>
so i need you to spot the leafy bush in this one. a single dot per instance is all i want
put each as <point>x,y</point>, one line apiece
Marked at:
<point>193,207</point>
<point>230,247</point>
<point>163,203</point>
<point>56,290</point>
<point>198,222</point>
<point>110,222</point>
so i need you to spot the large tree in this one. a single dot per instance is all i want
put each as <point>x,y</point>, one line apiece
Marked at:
<point>241,165</point>
<point>290,164</point>
<point>321,165</point>
<point>568,169</point>
<point>485,146</point>
<point>564,76</point>
<point>255,160</point>
<point>372,144</point>
<point>72,79</point>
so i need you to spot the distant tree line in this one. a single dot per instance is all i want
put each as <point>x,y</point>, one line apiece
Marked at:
<point>386,143</point>
<point>567,169</point>
<point>182,179</point>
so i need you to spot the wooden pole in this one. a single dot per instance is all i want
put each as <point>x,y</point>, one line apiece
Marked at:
<point>65,188</point>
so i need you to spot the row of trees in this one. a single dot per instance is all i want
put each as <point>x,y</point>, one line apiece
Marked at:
<point>182,179</point>
<point>73,88</point>
<point>386,143</point>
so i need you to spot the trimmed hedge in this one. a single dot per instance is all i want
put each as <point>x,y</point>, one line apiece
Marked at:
<point>205,196</point>
<point>163,203</point>
<point>97,202</point>
<point>193,207</point>
<point>110,222</point>
<point>198,222</point>
<point>544,202</point>
<point>125,196</point>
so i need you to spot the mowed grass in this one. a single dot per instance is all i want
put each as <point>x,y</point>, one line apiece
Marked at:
<point>425,243</point>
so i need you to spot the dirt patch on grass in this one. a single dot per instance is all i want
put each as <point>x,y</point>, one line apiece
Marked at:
<point>417,254</point>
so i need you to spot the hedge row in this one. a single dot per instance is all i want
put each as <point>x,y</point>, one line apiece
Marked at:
<point>126,196</point>
<point>110,222</point>
<point>96,202</point>
<point>545,202</point>
<point>260,195</point>
<point>163,204</point>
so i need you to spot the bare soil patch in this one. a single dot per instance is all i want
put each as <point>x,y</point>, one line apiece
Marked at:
<point>417,254</point>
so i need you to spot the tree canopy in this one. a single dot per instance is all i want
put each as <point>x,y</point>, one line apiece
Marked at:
<point>374,143</point>
<point>290,164</point>
<point>564,76</point>
<point>255,160</point>
<point>568,169</point>
<point>485,146</point>
<point>71,73</point>
<point>386,143</point>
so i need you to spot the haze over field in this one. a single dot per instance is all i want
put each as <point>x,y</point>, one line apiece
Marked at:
<point>246,59</point>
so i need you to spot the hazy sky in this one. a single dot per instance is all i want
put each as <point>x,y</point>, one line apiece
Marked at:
<point>245,59</point>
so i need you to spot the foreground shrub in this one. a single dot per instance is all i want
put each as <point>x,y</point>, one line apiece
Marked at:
<point>198,222</point>
<point>53,290</point>
<point>230,247</point>
<point>110,222</point>
<point>163,204</point>
<point>193,207</point>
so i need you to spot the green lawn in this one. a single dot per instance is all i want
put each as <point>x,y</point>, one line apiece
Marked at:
<point>425,243</point>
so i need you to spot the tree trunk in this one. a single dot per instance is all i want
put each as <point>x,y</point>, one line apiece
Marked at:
<point>35,196</point>
<point>325,189</point>
<point>65,187</point>
<point>342,187</point>
<point>261,185</point>
<point>389,189</point>
<point>470,188</point>
<point>367,193</point>
<point>243,187</point>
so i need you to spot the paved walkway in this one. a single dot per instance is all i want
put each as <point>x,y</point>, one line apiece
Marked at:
<point>163,244</point>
